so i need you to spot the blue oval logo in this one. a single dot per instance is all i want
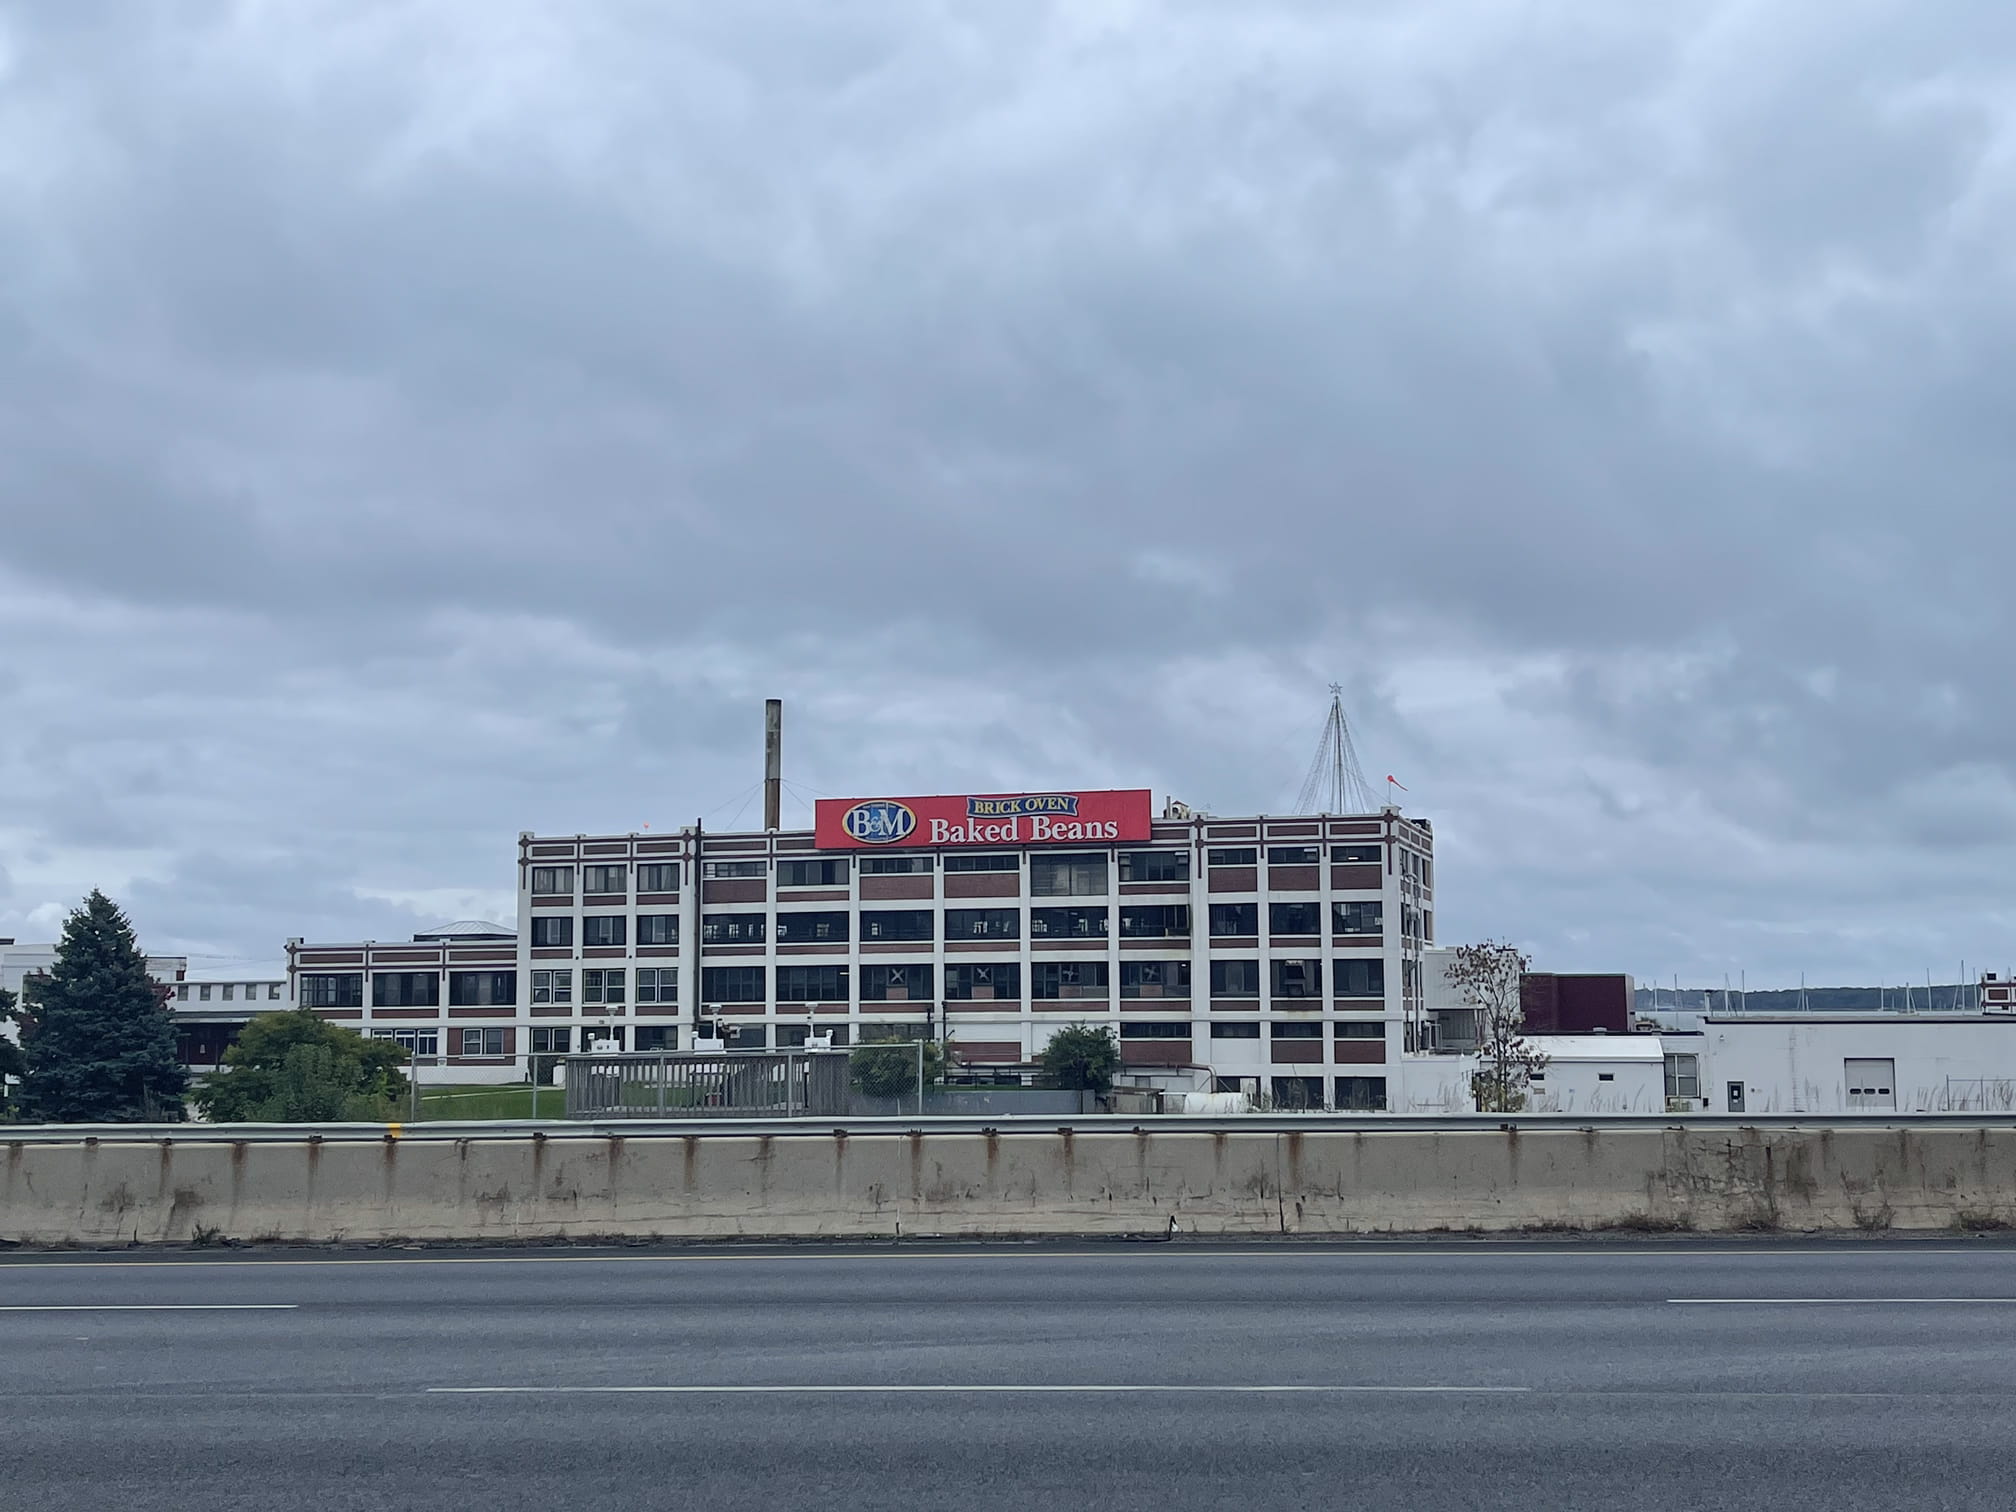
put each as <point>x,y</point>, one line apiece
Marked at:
<point>879,821</point>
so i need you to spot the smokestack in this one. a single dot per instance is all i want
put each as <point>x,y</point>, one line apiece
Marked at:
<point>773,763</point>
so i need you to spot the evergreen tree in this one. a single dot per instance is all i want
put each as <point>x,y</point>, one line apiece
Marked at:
<point>99,1040</point>
<point>12,1064</point>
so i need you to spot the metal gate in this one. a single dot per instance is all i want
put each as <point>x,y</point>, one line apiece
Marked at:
<point>711,1084</point>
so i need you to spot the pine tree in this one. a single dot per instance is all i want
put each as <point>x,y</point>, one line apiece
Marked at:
<point>100,1041</point>
<point>11,1062</point>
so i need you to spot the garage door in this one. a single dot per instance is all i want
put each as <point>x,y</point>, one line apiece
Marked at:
<point>1872,1084</point>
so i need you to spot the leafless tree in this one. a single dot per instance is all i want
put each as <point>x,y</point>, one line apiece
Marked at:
<point>1488,977</point>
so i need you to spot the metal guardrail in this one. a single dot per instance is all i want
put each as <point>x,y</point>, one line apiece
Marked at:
<point>1006,1125</point>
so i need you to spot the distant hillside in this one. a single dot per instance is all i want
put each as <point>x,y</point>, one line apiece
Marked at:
<point>1945,998</point>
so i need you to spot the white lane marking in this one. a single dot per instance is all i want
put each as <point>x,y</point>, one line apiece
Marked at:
<point>1834,1301</point>
<point>1131,1252</point>
<point>150,1307</point>
<point>950,1390</point>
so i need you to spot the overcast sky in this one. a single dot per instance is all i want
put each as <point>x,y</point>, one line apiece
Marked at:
<point>426,420</point>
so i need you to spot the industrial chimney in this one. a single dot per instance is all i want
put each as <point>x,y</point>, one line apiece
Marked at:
<point>773,763</point>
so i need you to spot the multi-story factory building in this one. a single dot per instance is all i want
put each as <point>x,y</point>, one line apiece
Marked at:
<point>1276,955</point>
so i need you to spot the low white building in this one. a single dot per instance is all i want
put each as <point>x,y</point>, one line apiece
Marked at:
<point>1584,1073</point>
<point>19,962</point>
<point>1845,1063</point>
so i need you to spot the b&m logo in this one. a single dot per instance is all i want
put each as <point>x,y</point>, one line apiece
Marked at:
<point>879,821</point>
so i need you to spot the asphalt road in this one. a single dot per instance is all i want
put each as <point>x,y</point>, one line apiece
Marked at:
<point>1426,1376</point>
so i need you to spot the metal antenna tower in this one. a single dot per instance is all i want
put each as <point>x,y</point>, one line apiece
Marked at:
<point>1336,784</point>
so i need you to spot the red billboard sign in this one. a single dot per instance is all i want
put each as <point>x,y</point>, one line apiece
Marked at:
<point>982,819</point>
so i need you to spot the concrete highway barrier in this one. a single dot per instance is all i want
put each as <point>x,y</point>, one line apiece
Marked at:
<point>512,1184</point>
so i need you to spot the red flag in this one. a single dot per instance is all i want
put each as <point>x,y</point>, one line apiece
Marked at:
<point>1396,782</point>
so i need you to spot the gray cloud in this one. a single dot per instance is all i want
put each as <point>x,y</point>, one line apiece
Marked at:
<point>424,422</point>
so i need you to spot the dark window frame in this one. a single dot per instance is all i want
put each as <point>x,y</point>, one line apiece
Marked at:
<point>1070,874</point>
<point>602,873</point>
<point>1155,866</point>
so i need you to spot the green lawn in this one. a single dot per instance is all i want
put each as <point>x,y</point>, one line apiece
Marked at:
<point>511,1101</point>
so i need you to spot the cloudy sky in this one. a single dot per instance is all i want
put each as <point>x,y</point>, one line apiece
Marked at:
<point>424,420</point>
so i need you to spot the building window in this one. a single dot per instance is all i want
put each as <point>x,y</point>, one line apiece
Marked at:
<point>605,879</point>
<point>658,984</point>
<point>989,861</point>
<point>658,876</point>
<point>553,986</point>
<point>1294,918</point>
<point>1158,921</point>
<point>607,985</point>
<point>552,1041</point>
<point>1358,918</point>
<point>604,930</point>
<point>1297,1093</point>
<point>734,929</point>
<point>340,989</point>
<point>749,1036</point>
<point>1360,978</point>
<point>723,870</point>
<point>1683,1076</point>
<point>1298,979</point>
<point>405,989</point>
<point>488,1042</point>
<point>1156,1030</point>
<point>1361,1094</point>
<point>897,924</point>
<point>182,993</point>
<point>272,992</point>
<point>553,880</point>
<point>1233,919</point>
<point>896,984</point>
<point>829,872</point>
<point>812,928</point>
<point>552,933</point>
<point>1079,875</point>
<point>203,991</point>
<point>1355,855</point>
<point>657,929</point>
<point>894,866</point>
<point>416,1042</point>
<point>483,988</point>
<point>1236,856</point>
<point>811,984</point>
<point>657,1038</point>
<point>1295,1031</point>
<point>1361,1029</point>
<point>1069,979</point>
<point>594,1035</point>
<point>983,981</point>
<point>1068,923</point>
<point>1235,979</point>
<point>1154,979</point>
<point>228,990</point>
<point>1294,855</point>
<point>983,923</point>
<point>1236,1030</point>
<point>732,984</point>
<point>1154,866</point>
